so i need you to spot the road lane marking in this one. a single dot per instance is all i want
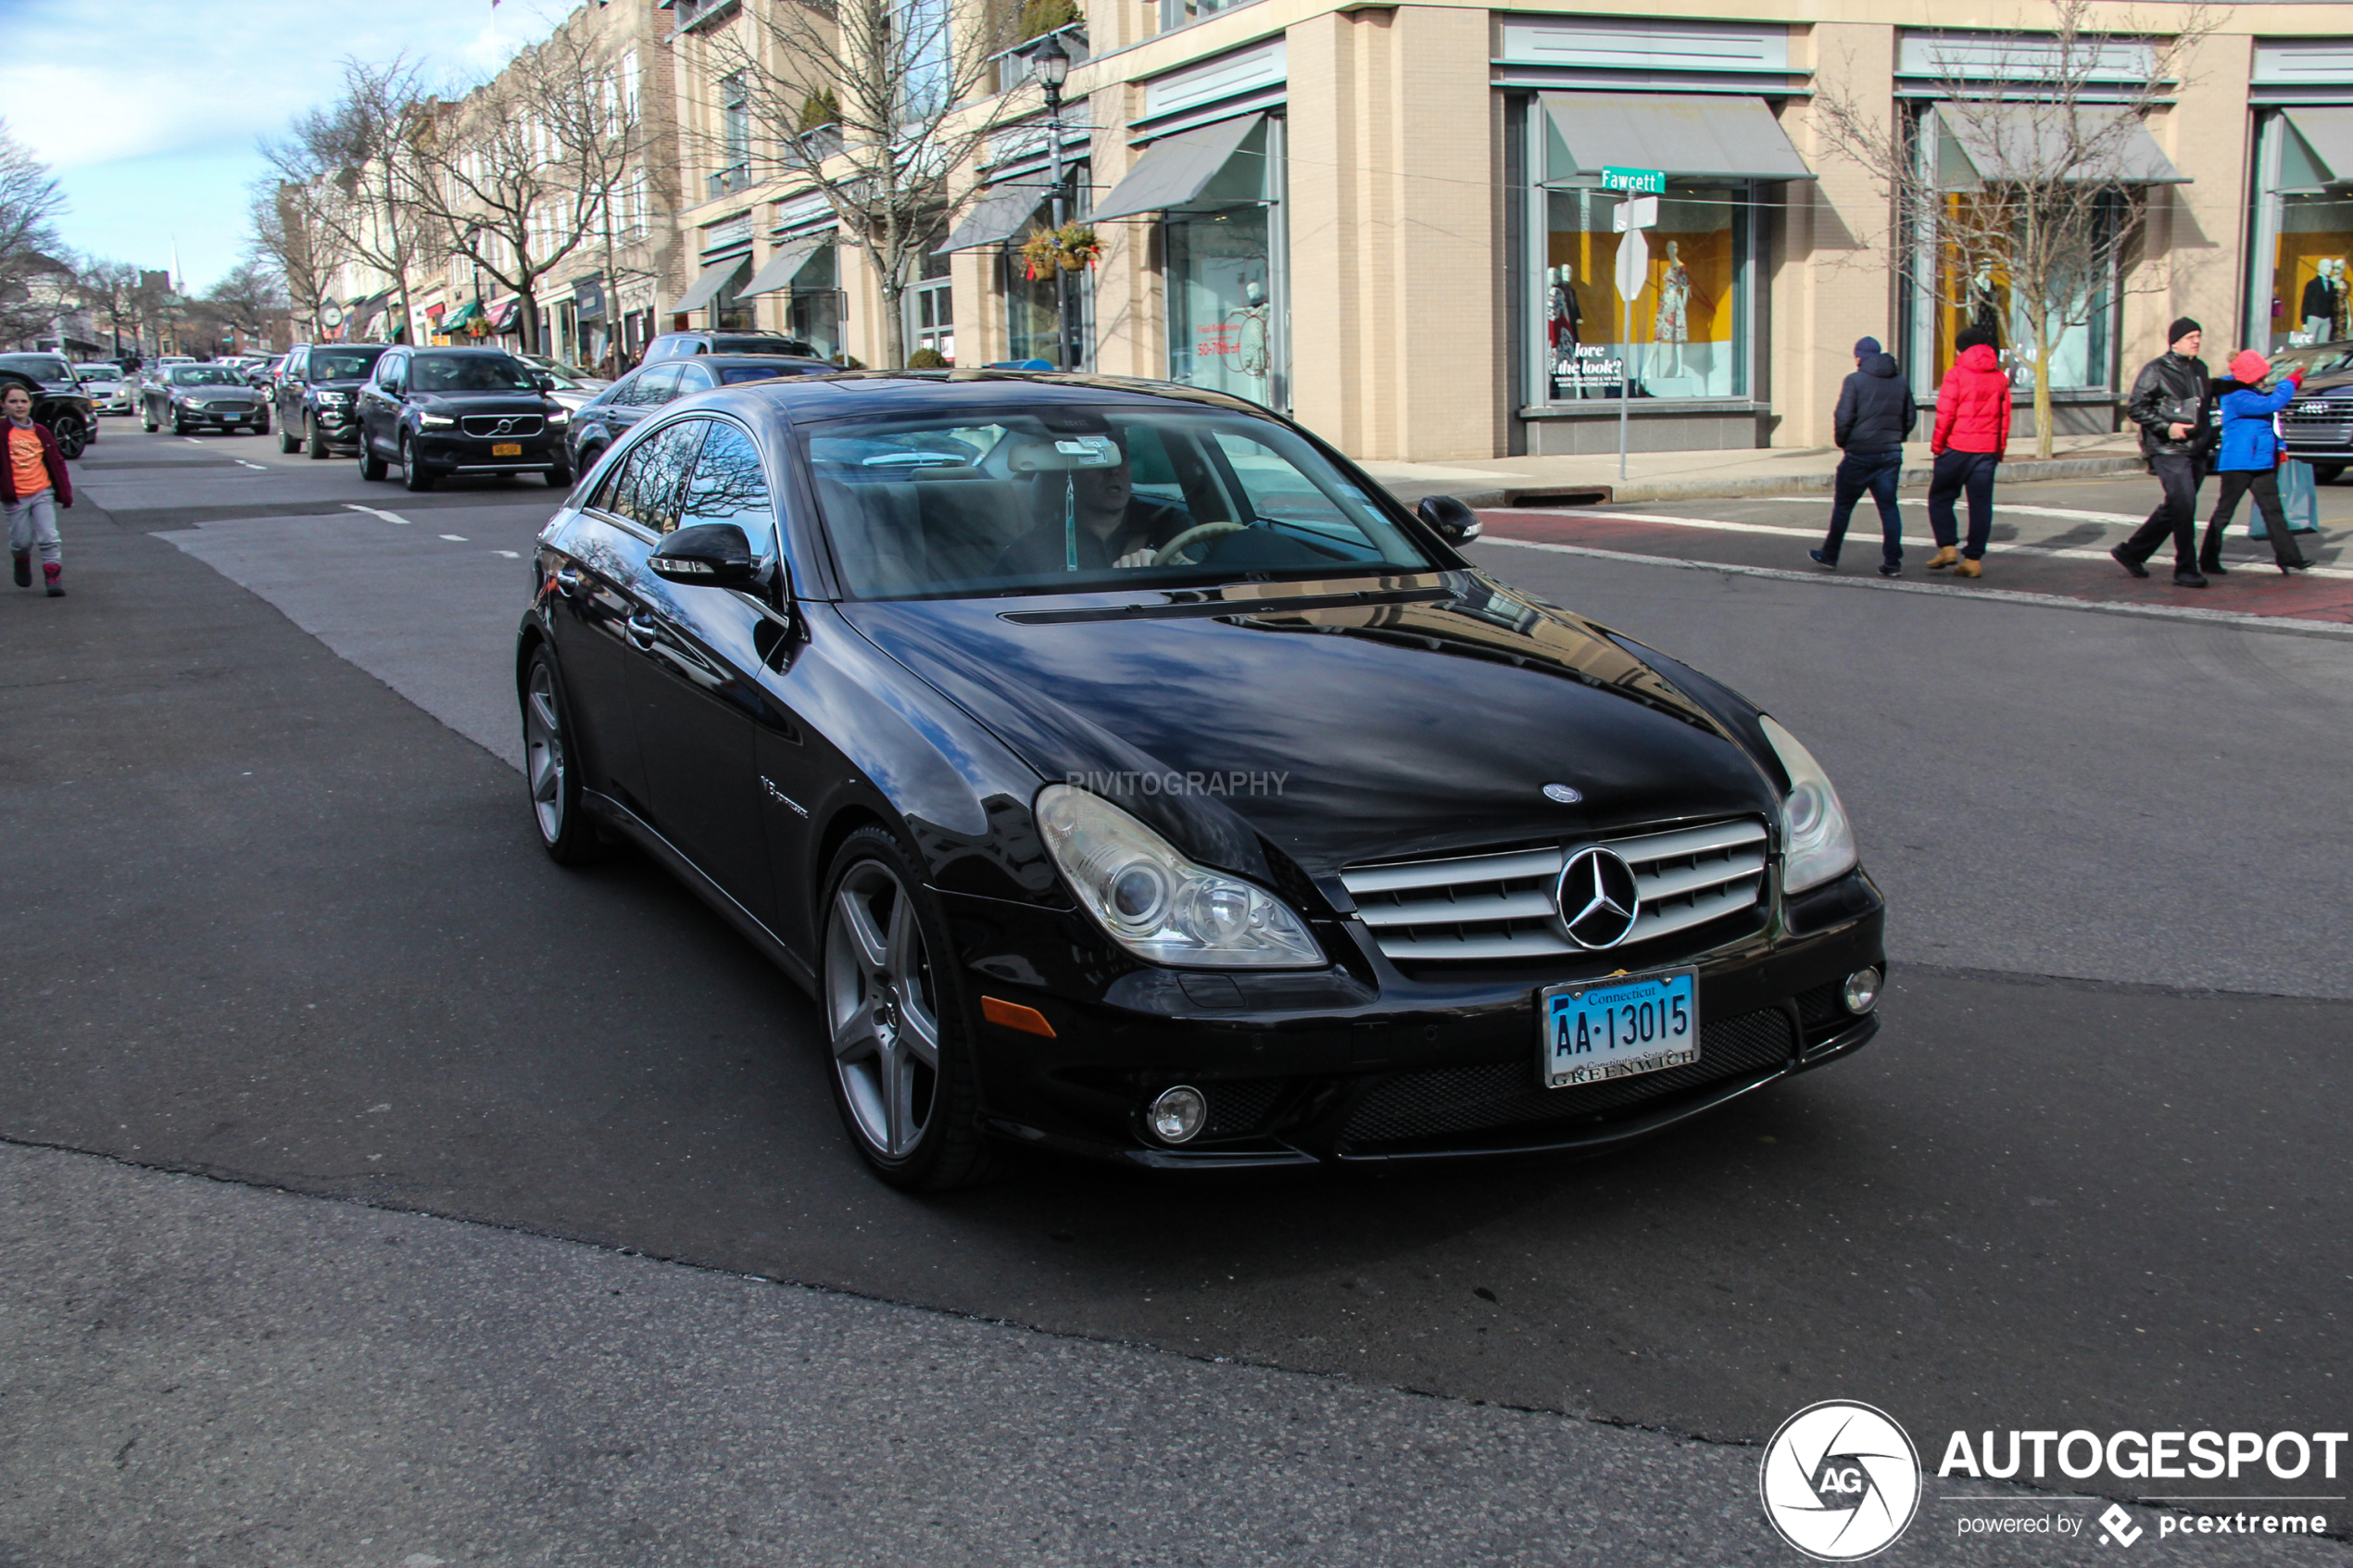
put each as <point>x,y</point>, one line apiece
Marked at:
<point>510,554</point>
<point>1999,507</point>
<point>191,441</point>
<point>1865,534</point>
<point>455,538</point>
<point>378,511</point>
<point>242,464</point>
<point>2004,596</point>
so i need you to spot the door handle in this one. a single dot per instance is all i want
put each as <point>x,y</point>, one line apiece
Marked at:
<point>641,630</point>
<point>570,584</point>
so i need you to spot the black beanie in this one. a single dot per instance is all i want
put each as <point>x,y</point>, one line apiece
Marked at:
<point>2183,327</point>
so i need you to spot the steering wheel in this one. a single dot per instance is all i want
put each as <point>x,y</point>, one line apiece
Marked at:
<point>1170,551</point>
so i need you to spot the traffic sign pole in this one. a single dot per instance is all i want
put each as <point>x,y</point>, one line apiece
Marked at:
<point>1633,270</point>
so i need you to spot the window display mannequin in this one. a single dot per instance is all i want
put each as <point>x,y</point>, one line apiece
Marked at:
<point>2344,299</point>
<point>1671,325</point>
<point>1984,311</point>
<point>2323,298</point>
<point>1564,322</point>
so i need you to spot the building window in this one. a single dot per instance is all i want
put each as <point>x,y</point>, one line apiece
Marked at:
<point>735,136</point>
<point>2297,290</point>
<point>1684,335</point>
<point>931,311</point>
<point>813,310</point>
<point>1030,303</point>
<point>1227,276</point>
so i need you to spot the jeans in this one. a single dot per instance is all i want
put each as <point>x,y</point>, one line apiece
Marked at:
<point>33,521</point>
<point>2265,483</point>
<point>1875,472</point>
<point>2181,474</point>
<point>1955,473</point>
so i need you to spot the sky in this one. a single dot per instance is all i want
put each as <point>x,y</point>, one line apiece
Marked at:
<point>148,110</point>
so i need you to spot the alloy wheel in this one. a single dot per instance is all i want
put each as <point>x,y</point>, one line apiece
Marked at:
<point>881,1006</point>
<point>543,748</point>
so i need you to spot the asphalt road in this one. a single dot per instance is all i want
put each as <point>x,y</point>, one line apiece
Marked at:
<point>279,920</point>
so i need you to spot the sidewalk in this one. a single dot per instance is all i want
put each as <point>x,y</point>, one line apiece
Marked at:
<point>1670,476</point>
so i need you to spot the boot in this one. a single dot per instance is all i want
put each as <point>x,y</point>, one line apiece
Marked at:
<point>2214,569</point>
<point>50,572</point>
<point>1946,556</point>
<point>23,561</point>
<point>1967,569</point>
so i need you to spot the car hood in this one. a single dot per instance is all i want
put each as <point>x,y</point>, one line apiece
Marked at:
<point>482,402</point>
<point>1340,723</point>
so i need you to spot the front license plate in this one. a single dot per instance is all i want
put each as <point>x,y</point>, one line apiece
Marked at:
<point>507,449</point>
<point>1617,1027</point>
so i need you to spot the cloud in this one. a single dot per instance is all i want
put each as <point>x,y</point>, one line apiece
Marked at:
<point>154,105</point>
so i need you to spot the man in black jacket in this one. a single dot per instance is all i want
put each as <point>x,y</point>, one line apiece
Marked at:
<point>2172,402</point>
<point>1875,413</point>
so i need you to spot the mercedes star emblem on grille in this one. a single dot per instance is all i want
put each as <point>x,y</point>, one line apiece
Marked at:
<point>1568,795</point>
<point>1598,898</point>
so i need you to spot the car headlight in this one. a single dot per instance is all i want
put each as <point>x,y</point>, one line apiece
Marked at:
<point>1156,903</point>
<point>1817,843</point>
<point>437,422</point>
<point>559,416</point>
<point>334,399</point>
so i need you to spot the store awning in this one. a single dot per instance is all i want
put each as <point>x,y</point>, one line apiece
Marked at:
<point>995,218</point>
<point>2328,132</point>
<point>1695,136</point>
<point>714,278</point>
<point>2007,144</point>
<point>1174,171</point>
<point>777,274</point>
<point>502,314</point>
<point>459,316</point>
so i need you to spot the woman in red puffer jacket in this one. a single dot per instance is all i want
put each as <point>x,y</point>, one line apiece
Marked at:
<point>1972,432</point>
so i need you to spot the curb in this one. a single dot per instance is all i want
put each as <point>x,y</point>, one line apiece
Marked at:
<point>1760,484</point>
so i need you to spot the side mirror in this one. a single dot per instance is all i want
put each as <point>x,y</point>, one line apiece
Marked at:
<point>710,554</point>
<point>543,380</point>
<point>1451,520</point>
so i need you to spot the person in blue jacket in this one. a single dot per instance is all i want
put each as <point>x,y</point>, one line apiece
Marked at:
<point>2249,459</point>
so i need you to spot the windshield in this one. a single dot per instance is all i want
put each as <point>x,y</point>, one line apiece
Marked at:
<point>1116,497</point>
<point>434,372</point>
<point>207,375</point>
<point>561,368</point>
<point>40,366</point>
<point>99,373</point>
<point>343,364</point>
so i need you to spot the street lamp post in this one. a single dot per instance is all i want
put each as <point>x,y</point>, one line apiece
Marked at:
<point>1051,61</point>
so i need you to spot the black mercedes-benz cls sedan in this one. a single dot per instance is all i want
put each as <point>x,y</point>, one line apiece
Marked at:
<point>1127,773</point>
<point>443,411</point>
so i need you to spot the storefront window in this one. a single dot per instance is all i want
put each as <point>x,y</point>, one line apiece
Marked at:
<point>1030,301</point>
<point>1973,299</point>
<point>730,312</point>
<point>931,311</point>
<point>1687,333</point>
<point>813,308</point>
<point>2304,237</point>
<point>1224,278</point>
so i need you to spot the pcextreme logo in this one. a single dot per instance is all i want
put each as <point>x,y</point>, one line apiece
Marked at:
<point>1839,1480</point>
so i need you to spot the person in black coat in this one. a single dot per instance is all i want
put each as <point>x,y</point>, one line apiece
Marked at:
<point>1875,414</point>
<point>2172,401</point>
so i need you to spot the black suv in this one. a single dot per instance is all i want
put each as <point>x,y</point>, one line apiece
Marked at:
<point>438,411</point>
<point>682,345</point>
<point>59,400</point>
<point>316,386</point>
<point>2318,427</point>
<point>601,421</point>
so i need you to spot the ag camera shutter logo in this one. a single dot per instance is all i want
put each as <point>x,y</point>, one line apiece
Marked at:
<point>1839,1480</point>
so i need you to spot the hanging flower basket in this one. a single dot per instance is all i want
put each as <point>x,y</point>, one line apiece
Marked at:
<point>1070,248</point>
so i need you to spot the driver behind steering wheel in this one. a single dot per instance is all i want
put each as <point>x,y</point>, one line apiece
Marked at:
<point>1116,527</point>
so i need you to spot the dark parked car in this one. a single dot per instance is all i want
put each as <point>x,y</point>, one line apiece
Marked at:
<point>316,396</point>
<point>597,423</point>
<point>191,396</point>
<point>2318,427</point>
<point>1129,775</point>
<point>441,411</point>
<point>59,399</point>
<point>679,345</point>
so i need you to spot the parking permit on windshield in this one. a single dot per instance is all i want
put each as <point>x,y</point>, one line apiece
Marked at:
<point>1616,1028</point>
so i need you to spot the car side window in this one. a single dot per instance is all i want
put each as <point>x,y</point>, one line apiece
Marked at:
<point>296,365</point>
<point>389,369</point>
<point>649,478</point>
<point>652,387</point>
<point>694,378</point>
<point>730,485</point>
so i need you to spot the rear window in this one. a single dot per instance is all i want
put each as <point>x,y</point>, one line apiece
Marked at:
<point>964,506</point>
<point>759,346</point>
<point>730,375</point>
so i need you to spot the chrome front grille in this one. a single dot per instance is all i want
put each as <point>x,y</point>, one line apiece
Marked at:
<point>1503,905</point>
<point>517,424</point>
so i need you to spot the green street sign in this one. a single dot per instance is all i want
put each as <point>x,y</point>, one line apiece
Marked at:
<point>1646,182</point>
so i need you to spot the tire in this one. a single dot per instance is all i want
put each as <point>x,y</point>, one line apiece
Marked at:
<point>179,425</point>
<point>916,1122</point>
<point>70,436</point>
<point>311,440</point>
<point>261,425</point>
<point>415,475</point>
<point>148,418</point>
<point>565,832</point>
<point>372,467</point>
<point>288,440</point>
<point>2326,473</point>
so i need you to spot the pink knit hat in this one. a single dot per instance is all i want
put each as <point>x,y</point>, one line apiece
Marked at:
<point>2250,367</point>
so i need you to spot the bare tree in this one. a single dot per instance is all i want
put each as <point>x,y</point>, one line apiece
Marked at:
<point>289,240</point>
<point>30,204</point>
<point>877,104</point>
<point>2027,177</point>
<point>527,169</point>
<point>110,290</point>
<point>357,164</point>
<point>247,298</point>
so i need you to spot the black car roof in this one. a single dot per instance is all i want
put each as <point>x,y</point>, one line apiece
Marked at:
<point>463,353</point>
<point>743,359</point>
<point>846,393</point>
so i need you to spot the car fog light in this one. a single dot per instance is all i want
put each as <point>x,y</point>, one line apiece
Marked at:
<point>1179,1113</point>
<point>1861,991</point>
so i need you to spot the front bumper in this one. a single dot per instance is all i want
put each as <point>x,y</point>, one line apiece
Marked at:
<point>450,453</point>
<point>1362,1064</point>
<point>225,417</point>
